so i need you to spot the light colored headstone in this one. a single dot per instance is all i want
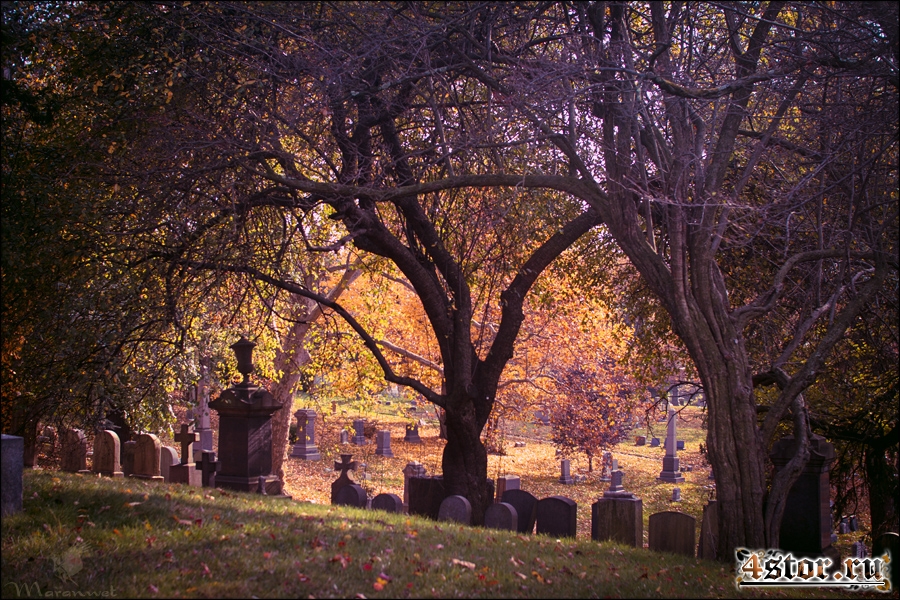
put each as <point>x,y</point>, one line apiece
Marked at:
<point>168,457</point>
<point>676,494</point>
<point>146,457</point>
<point>306,448</point>
<point>106,454</point>
<point>345,436</point>
<point>565,475</point>
<point>671,472</point>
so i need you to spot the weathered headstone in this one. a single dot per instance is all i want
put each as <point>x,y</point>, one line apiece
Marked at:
<point>412,469</point>
<point>146,457</point>
<point>654,443</point>
<point>186,471</point>
<point>383,444</point>
<point>305,448</point>
<point>679,445</point>
<point>565,476</point>
<point>359,427</point>
<point>670,472</point>
<point>245,431</point>
<point>345,466</point>
<point>208,467</point>
<point>854,523</point>
<point>709,532</point>
<point>106,454</point>
<point>806,524</point>
<point>351,494</point>
<point>501,515</point>
<point>526,508</point>
<point>676,494</point>
<point>425,495</point>
<point>457,509</point>
<point>506,482</point>
<point>73,451</point>
<point>618,515</point>
<point>345,436</point>
<point>168,456</point>
<point>557,516</point>
<point>391,503</point>
<point>12,466</point>
<point>128,449</point>
<point>412,434</point>
<point>640,440</point>
<point>672,531</point>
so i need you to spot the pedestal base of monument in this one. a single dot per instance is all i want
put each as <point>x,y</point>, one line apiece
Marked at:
<point>271,484</point>
<point>670,472</point>
<point>187,474</point>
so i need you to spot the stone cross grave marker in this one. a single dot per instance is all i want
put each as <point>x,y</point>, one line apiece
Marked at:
<point>383,444</point>
<point>557,516</point>
<point>345,466</point>
<point>106,454</point>
<point>208,467</point>
<point>672,531</point>
<point>186,438</point>
<point>146,457</point>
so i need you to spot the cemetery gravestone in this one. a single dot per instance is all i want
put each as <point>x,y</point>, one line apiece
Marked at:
<point>186,471</point>
<point>618,515</point>
<point>73,451</point>
<point>208,467</point>
<point>383,444</point>
<point>501,515</point>
<point>806,524</point>
<point>676,494</point>
<point>679,445</point>
<point>128,457</point>
<point>360,438</point>
<point>672,531</point>
<point>305,448</point>
<point>858,550</point>
<point>412,469</point>
<point>391,503</point>
<point>709,532</point>
<point>640,440</point>
<point>412,434</point>
<point>146,457</point>
<point>557,516</point>
<point>566,476</point>
<point>506,482</point>
<point>12,466</point>
<point>456,509</point>
<point>351,494</point>
<point>245,430</point>
<point>345,466</point>
<point>654,443</point>
<point>526,508</point>
<point>345,436</point>
<point>106,454</point>
<point>168,456</point>
<point>670,472</point>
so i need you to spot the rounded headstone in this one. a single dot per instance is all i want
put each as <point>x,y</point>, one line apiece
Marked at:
<point>501,515</point>
<point>388,502</point>
<point>351,495</point>
<point>457,509</point>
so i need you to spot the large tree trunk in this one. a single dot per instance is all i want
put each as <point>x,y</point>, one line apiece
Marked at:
<point>464,463</point>
<point>881,478</point>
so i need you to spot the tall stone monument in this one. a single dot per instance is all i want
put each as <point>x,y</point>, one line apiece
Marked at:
<point>305,447</point>
<point>671,472</point>
<point>245,431</point>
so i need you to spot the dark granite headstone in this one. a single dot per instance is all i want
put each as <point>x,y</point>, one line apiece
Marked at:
<point>709,532</point>
<point>428,492</point>
<point>351,495</point>
<point>501,515</point>
<point>640,440</point>
<point>345,466</point>
<point>305,448</point>
<point>672,531</point>
<point>457,509</point>
<point>388,502</point>
<point>412,469</point>
<point>506,482</point>
<point>679,445</point>
<point>359,427</point>
<point>12,466</point>
<point>618,518</point>
<point>806,524</point>
<point>412,434</point>
<point>383,444</point>
<point>208,467</point>
<point>526,508</point>
<point>557,516</point>
<point>654,443</point>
